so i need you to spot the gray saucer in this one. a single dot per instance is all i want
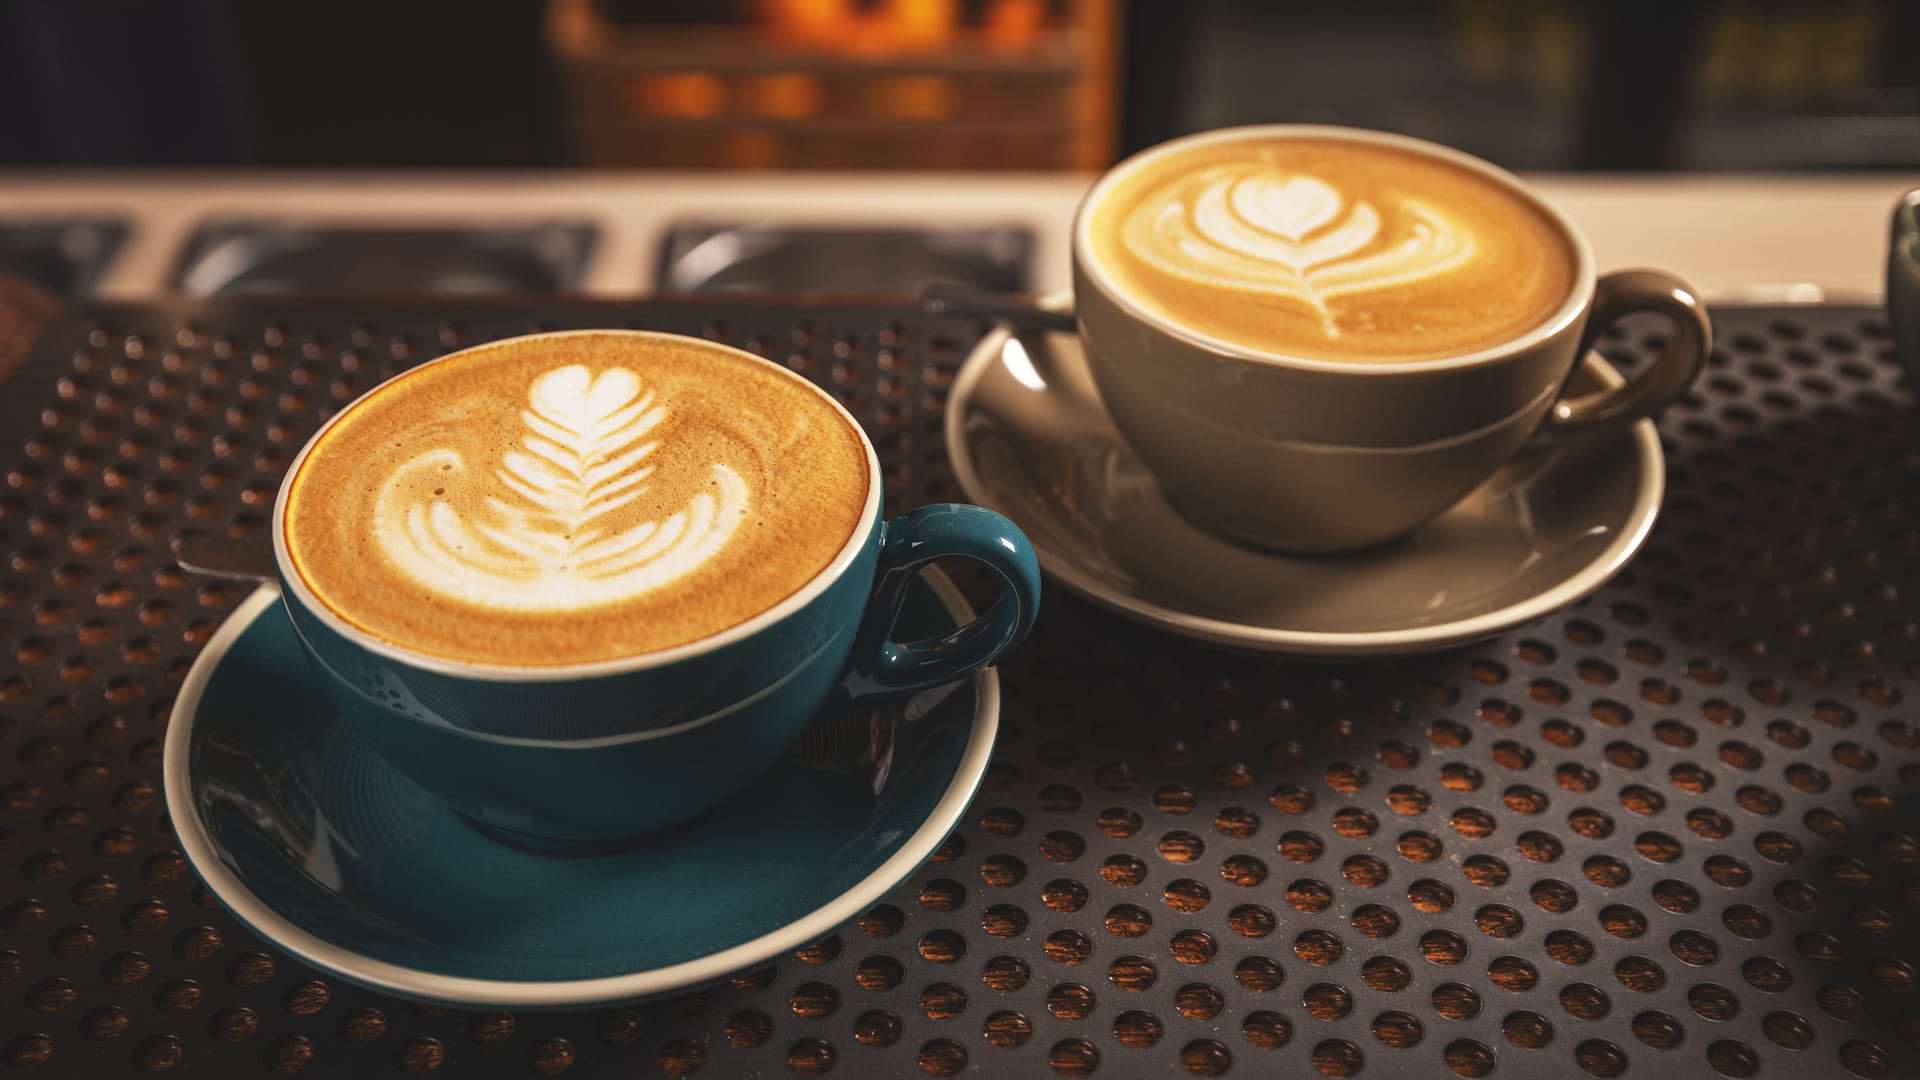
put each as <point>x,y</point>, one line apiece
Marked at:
<point>1029,438</point>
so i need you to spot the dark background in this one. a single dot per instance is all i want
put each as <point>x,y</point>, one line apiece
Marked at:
<point>1624,85</point>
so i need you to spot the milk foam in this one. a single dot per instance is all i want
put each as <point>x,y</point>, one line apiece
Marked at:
<point>540,546</point>
<point>1333,248</point>
<point>576,497</point>
<point>1252,227</point>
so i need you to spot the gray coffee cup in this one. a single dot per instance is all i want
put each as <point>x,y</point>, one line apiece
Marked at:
<point>1312,455</point>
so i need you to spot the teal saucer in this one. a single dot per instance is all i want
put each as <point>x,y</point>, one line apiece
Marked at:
<point>321,848</point>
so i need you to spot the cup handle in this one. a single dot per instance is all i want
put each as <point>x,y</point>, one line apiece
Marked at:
<point>1615,295</point>
<point>914,539</point>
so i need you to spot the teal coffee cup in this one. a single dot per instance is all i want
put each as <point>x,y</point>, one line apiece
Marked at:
<point>595,747</point>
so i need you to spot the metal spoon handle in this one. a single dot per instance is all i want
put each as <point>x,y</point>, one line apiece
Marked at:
<point>224,558</point>
<point>944,299</point>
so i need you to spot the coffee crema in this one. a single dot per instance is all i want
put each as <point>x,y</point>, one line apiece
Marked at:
<point>1331,249</point>
<point>574,498</point>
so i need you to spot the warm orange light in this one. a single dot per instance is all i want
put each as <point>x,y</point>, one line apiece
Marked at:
<point>895,26</point>
<point>1013,24</point>
<point>689,95</point>
<point>917,24</point>
<point>915,97</point>
<point>810,21</point>
<point>788,95</point>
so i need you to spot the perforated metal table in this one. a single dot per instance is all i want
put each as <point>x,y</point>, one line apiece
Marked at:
<point>1668,832</point>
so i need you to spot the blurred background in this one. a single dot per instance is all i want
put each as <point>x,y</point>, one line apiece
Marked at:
<point>948,84</point>
<point>614,147</point>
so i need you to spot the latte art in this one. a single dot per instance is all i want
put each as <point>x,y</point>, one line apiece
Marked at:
<point>1293,236</point>
<point>571,498</point>
<point>542,544</point>
<point>1328,248</point>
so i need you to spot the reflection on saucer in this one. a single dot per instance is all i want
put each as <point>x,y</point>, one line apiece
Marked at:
<point>321,847</point>
<point>1028,437</point>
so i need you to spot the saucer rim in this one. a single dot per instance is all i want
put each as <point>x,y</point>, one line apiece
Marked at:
<point>1435,637</point>
<point>204,854</point>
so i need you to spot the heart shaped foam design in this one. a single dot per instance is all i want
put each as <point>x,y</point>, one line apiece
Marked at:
<point>1252,229</point>
<point>1294,207</point>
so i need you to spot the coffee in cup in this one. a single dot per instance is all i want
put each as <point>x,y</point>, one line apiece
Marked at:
<point>1331,249</point>
<point>1318,338</point>
<point>570,499</point>
<point>584,586</point>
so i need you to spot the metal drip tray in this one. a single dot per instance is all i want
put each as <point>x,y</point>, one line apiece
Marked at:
<point>1668,832</point>
<point>65,257</point>
<point>261,258</point>
<point>707,258</point>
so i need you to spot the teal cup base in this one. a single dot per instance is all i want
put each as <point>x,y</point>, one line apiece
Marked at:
<point>583,761</point>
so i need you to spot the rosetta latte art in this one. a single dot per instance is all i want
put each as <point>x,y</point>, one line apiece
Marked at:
<point>1246,229</point>
<point>541,545</point>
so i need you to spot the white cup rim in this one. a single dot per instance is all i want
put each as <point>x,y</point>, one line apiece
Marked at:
<point>291,581</point>
<point>1569,313</point>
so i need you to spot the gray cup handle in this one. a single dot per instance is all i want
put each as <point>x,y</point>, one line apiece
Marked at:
<point>1622,293</point>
